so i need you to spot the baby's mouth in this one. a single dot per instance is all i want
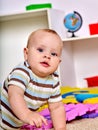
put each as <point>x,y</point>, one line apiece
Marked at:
<point>45,64</point>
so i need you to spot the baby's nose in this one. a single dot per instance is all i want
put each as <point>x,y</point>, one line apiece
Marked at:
<point>47,56</point>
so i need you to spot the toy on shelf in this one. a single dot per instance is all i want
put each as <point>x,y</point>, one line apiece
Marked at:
<point>38,6</point>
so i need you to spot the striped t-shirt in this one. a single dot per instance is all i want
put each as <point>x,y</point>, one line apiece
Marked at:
<point>37,92</point>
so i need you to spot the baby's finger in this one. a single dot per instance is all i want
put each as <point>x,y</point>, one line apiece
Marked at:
<point>31,122</point>
<point>44,120</point>
<point>38,122</point>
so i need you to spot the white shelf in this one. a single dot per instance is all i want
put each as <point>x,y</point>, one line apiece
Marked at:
<point>79,60</point>
<point>26,14</point>
<point>80,38</point>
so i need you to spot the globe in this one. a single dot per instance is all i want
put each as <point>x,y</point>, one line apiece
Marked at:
<point>73,22</point>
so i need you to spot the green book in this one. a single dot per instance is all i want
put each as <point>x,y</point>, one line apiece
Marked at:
<point>38,6</point>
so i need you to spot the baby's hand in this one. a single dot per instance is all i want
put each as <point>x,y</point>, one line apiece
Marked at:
<point>35,118</point>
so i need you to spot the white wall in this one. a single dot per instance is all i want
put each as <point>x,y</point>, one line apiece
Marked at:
<point>87,8</point>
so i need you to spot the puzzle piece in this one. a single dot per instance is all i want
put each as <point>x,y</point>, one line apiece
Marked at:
<point>72,111</point>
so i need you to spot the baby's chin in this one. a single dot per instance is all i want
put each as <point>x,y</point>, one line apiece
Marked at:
<point>44,74</point>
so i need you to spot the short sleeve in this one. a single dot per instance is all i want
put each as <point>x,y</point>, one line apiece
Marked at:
<point>19,77</point>
<point>55,91</point>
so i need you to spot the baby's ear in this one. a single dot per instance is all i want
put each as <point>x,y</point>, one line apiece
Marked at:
<point>25,53</point>
<point>60,60</point>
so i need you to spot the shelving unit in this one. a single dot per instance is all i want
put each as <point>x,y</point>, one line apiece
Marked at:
<point>79,60</point>
<point>80,55</point>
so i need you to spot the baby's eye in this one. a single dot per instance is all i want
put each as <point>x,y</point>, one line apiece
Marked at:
<point>54,54</point>
<point>40,49</point>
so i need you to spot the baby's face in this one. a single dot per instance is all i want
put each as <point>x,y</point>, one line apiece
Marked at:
<point>43,55</point>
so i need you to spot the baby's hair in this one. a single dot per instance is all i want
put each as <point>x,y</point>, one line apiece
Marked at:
<point>44,30</point>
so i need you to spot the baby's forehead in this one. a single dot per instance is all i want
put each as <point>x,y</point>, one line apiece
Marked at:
<point>40,35</point>
<point>43,33</point>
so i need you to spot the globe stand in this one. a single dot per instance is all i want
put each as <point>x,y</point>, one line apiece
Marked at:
<point>73,34</point>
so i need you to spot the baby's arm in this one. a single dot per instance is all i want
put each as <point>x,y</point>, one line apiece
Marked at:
<point>58,115</point>
<point>19,107</point>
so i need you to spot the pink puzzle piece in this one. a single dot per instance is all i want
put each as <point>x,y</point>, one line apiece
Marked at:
<point>79,110</point>
<point>92,107</point>
<point>44,127</point>
<point>72,111</point>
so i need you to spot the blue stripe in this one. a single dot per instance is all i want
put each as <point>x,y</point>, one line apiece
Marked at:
<point>3,99</point>
<point>33,93</point>
<point>8,120</point>
<point>19,78</point>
